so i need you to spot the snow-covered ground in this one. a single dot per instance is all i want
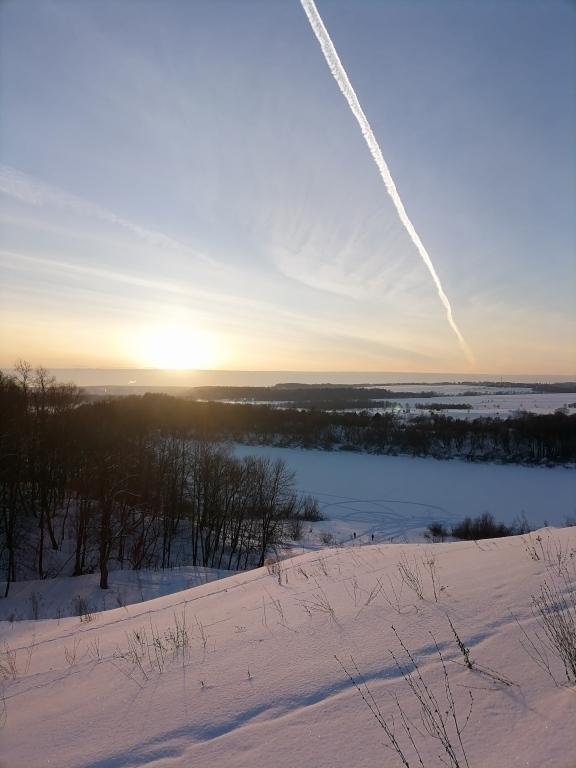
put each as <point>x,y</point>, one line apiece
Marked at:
<point>253,670</point>
<point>490,404</point>
<point>73,596</point>
<point>194,667</point>
<point>397,496</point>
<point>486,401</point>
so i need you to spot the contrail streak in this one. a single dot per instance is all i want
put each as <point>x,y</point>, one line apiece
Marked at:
<point>341,78</point>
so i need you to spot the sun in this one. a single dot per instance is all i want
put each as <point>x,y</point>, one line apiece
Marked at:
<point>176,347</point>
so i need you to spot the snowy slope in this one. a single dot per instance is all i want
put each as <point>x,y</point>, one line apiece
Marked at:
<point>257,681</point>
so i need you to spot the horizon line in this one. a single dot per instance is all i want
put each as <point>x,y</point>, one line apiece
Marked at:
<point>290,370</point>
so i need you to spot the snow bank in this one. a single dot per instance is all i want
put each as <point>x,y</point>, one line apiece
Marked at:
<point>248,671</point>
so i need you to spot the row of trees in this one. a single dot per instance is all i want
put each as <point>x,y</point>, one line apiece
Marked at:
<point>523,438</point>
<point>128,483</point>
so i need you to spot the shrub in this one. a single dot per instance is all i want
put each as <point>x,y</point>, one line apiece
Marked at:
<point>521,525</point>
<point>556,615</point>
<point>555,612</point>
<point>440,718</point>
<point>436,532</point>
<point>481,527</point>
<point>309,510</point>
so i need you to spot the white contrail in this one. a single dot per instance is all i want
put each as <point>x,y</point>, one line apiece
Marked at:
<point>341,78</point>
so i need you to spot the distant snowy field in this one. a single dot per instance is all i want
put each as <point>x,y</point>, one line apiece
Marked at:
<point>485,401</point>
<point>489,403</point>
<point>397,496</point>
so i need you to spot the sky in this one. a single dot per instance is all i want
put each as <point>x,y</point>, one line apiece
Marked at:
<point>184,186</point>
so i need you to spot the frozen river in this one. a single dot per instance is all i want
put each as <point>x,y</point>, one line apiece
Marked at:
<point>397,496</point>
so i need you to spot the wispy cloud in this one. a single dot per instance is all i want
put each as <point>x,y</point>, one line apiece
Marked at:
<point>84,270</point>
<point>347,266</point>
<point>33,191</point>
<point>232,307</point>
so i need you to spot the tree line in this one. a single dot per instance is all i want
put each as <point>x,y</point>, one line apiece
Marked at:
<point>524,438</point>
<point>138,482</point>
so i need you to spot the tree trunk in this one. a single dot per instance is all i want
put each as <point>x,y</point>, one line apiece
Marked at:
<point>105,536</point>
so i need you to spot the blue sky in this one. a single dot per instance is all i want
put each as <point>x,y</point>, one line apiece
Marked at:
<point>184,185</point>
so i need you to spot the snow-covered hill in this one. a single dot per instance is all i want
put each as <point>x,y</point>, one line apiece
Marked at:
<point>252,670</point>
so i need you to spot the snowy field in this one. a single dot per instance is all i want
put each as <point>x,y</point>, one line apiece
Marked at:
<point>486,401</point>
<point>397,496</point>
<point>495,405</point>
<point>253,670</point>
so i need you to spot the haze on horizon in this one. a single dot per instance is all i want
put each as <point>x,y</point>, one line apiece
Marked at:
<point>182,186</point>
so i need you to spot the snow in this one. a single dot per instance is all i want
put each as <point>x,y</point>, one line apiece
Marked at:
<point>494,405</point>
<point>259,682</point>
<point>397,496</point>
<point>57,598</point>
<point>483,401</point>
<point>192,667</point>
